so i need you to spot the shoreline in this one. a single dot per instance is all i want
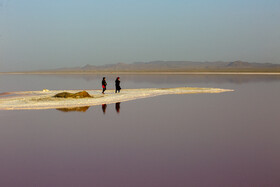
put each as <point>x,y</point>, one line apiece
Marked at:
<point>139,73</point>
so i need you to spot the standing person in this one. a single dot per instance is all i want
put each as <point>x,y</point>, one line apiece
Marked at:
<point>104,84</point>
<point>117,83</point>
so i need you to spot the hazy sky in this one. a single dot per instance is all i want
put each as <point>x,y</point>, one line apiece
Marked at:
<point>67,33</point>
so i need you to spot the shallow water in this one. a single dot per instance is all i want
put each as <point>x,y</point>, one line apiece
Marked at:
<point>225,139</point>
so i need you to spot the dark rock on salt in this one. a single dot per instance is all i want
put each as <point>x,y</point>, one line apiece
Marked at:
<point>82,94</point>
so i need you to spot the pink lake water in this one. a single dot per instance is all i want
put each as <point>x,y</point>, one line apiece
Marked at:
<point>226,139</point>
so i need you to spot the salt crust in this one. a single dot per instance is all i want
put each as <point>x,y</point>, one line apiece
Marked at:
<point>44,99</point>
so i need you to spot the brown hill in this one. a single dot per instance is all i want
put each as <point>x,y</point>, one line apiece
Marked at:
<point>176,66</point>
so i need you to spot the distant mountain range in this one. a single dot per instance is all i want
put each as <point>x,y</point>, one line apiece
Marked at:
<point>177,66</point>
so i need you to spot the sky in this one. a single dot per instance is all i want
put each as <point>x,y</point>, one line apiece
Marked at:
<point>50,34</point>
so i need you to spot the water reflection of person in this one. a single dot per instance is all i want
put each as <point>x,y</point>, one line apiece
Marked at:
<point>118,107</point>
<point>104,106</point>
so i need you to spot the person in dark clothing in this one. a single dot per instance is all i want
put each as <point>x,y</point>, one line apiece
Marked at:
<point>117,83</point>
<point>104,84</point>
